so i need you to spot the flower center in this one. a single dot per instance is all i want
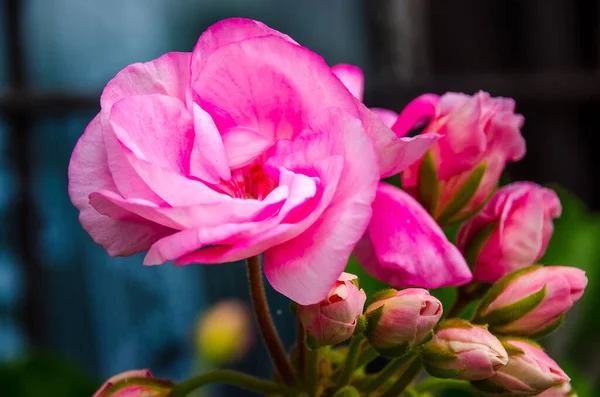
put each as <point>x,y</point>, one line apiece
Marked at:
<point>251,182</point>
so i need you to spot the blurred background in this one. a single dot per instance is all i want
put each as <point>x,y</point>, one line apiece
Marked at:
<point>70,316</point>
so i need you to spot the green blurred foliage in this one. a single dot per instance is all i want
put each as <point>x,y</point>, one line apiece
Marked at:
<point>43,374</point>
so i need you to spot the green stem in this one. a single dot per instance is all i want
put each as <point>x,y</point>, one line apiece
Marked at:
<point>434,384</point>
<point>411,392</point>
<point>398,387</point>
<point>301,349</point>
<point>466,295</point>
<point>390,370</point>
<point>312,371</point>
<point>366,356</point>
<point>265,323</point>
<point>351,361</point>
<point>229,377</point>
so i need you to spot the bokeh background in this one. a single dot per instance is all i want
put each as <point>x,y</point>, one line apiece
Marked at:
<point>71,316</point>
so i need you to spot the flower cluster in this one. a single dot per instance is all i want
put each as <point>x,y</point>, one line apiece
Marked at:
<point>252,145</point>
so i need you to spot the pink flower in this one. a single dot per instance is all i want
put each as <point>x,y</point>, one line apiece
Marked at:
<point>460,350</point>
<point>334,319</point>
<point>135,383</point>
<point>511,232</point>
<point>532,301</point>
<point>247,145</point>
<point>403,245</point>
<point>398,320</point>
<point>529,372</point>
<point>477,129</point>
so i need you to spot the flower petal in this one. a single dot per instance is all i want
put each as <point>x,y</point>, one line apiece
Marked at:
<point>387,117</point>
<point>419,112</point>
<point>410,248</point>
<point>89,172</point>
<point>352,77</point>
<point>243,145</point>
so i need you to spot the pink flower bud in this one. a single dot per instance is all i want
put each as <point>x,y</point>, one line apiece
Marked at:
<point>532,301</point>
<point>563,390</point>
<point>135,383</point>
<point>481,134</point>
<point>511,232</point>
<point>334,319</point>
<point>398,320</point>
<point>460,350</point>
<point>529,372</point>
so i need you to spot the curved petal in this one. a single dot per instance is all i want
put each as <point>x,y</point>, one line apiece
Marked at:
<point>155,128</point>
<point>410,248</point>
<point>352,77</point>
<point>244,145</point>
<point>230,242</point>
<point>268,84</point>
<point>168,75</point>
<point>89,172</point>
<point>306,267</point>
<point>405,151</point>
<point>387,117</point>
<point>418,113</point>
<point>229,210</point>
<point>208,160</point>
<point>228,31</point>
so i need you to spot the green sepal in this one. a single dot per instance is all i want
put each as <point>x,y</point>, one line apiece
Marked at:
<point>444,373</point>
<point>394,352</point>
<point>426,339</point>
<point>311,342</point>
<point>455,323</point>
<point>294,308</point>
<point>489,387</point>
<point>155,385</point>
<point>533,343</point>
<point>477,243</point>
<point>361,326</point>
<point>347,391</point>
<point>510,313</point>
<point>463,195</point>
<point>429,185</point>
<point>433,352</point>
<point>512,350</point>
<point>498,287</point>
<point>549,329</point>
<point>458,218</point>
<point>381,295</point>
<point>372,318</point>
<point>356,283</point>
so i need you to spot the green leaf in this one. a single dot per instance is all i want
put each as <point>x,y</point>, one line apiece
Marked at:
<point>508,314</point>
<point>463,195</point>
<point>429,187</point>
<point>367,283</point>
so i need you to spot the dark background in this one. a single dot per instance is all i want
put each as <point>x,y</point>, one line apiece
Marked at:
<point>62,296</point>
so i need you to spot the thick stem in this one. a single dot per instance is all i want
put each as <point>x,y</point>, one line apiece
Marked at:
<point>434,384</point>
<point>390,370</point>
<point>351,361</point>
<point>227,377</point>
<point>312,372</point>
<point>404,380</point>
<point>265,323</point>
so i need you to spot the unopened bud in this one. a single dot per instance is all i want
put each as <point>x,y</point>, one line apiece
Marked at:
<point>528,373</point>
<point>135,383</point>
<point>531,302</point>
<point>398,320</point>
<point>225,332</point>
<point>564,390</point>
<point>460,350</point>
<point>334,319</point>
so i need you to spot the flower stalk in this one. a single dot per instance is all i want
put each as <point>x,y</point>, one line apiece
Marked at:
<point>267,328</point>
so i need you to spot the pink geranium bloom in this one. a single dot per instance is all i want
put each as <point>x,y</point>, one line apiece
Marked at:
<point>403,245</point>
<point>247,145</point>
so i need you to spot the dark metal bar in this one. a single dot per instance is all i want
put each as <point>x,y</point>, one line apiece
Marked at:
<point>19,122</point>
